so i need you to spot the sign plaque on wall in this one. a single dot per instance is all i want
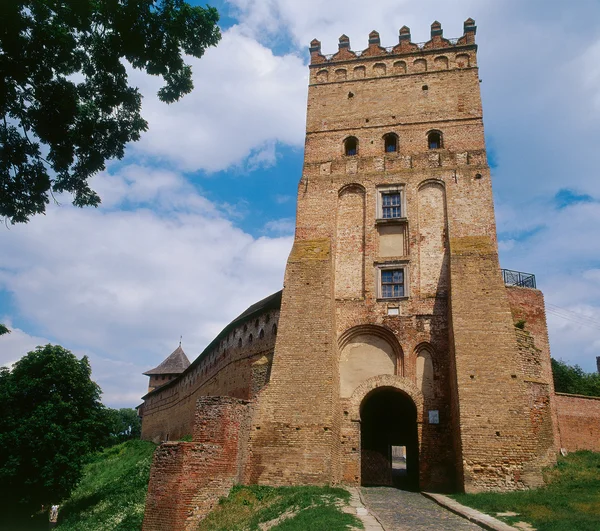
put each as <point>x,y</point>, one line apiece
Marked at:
<point>434,416</point>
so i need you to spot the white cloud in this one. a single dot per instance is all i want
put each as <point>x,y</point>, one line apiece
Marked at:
<point>281,226</point>
<point>245,100</point>
<point>563,254</point>
<point>123,285</point>
<point>16,344</point>
<point>326,21</point>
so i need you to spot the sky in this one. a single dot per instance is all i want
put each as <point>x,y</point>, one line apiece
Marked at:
<point>197,220</point>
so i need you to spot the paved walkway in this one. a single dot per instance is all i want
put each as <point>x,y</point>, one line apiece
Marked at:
<point>400,510</point>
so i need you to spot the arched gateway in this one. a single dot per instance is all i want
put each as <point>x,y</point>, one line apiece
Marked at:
<point>389,446</point>
<point>388,410</point>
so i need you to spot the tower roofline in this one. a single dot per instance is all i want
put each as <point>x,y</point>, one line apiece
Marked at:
<point>404,46</point>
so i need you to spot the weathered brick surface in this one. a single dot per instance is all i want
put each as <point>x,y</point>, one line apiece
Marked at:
<point>187,479</point>
<point>578,422</point>
<point>294,432</point>
<point>235,364</point>
<point>534,348</point>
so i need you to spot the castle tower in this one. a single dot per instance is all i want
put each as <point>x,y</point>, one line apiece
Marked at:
<point>171,367</point>
<point>395,334</point>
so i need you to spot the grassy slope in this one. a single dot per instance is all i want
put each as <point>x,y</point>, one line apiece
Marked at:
<point>314,508</point>
<point>570,500</point>
<point>112,493</point>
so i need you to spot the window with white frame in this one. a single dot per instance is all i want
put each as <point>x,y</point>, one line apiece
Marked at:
<point>392,282</point>
<point>390,202</point>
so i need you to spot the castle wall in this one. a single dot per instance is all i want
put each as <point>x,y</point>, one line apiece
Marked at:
<point>236,364</point>
<point>527,305</point>
<point>187,479</point>
<point>578,422</point>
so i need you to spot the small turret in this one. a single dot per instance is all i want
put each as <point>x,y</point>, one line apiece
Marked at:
<point>404,34</point>
<point>470,29</point>
<point>171,367</point>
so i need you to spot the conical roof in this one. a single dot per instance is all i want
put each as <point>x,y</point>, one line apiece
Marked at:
<point>176,363</point>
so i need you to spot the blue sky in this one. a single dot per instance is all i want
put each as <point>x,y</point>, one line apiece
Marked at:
<point>197,220</point>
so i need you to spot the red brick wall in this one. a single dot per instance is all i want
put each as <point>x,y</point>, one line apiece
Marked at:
<point>229,369</point>
<point>527,305</point>
<point>578,422</point>
<point>187,479</point>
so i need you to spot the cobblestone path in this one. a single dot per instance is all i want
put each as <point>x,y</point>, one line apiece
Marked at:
<point>400,510</point>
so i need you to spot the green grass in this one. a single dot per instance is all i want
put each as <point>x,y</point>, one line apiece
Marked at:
<point>112,493</point>
<point>297,508</point>
<point>570,501</point>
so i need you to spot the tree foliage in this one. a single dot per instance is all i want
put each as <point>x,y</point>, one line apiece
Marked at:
<point>65,100</point>
<point>3,330</point>
<point>51,418</point>
<point>574,380</point>
<point>124,424</point>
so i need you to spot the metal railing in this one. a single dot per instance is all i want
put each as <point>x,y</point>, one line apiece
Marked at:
<point>518,278</point>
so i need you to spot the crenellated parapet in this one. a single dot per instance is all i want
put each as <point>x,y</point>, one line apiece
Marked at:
<point>438,53</point>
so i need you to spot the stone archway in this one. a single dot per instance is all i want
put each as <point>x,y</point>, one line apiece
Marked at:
<point>388,410</point>
<point>367,351</point>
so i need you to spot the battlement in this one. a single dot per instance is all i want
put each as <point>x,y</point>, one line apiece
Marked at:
<point>404,47</point>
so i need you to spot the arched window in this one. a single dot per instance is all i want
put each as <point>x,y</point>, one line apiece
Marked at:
<point>261,334</point>
<point>274,329</point>
<point>434,140</point>
<point>351,146</point>
<point>390,142</point>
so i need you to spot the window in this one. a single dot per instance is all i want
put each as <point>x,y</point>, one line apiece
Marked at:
<point>434,140</point>
<point>392,283</point>
<point>390,203</point>
<point>351,146</point>
<point>390,143</point>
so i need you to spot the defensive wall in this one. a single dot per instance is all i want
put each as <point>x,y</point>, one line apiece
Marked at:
<point>236,364</point>
<point>578,422</point>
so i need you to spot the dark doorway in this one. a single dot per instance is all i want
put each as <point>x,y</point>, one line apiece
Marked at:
<point>389,442</point>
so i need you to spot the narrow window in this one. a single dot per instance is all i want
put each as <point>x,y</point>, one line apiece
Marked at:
<point>261,334</point>
<point>250,338</point>
<point>434,140</point>
<point>391,205</point>
<point>392,283</point>
<point>390,143</point>
<point>351,146</point>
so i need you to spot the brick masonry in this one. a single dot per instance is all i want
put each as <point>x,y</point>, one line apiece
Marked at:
<point>237,363</point>
<point>445,344</point>
<point>188,478</point>
<point>578,422</point>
